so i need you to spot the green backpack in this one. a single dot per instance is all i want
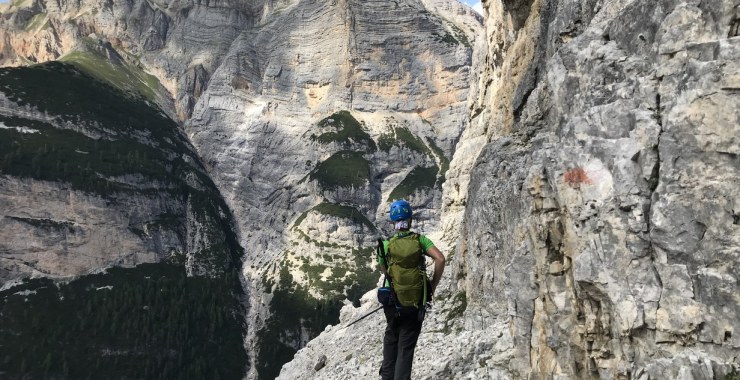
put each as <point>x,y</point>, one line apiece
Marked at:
<point>406,270</point>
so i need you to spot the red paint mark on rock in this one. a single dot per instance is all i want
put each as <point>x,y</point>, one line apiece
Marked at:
<point>575,177</point>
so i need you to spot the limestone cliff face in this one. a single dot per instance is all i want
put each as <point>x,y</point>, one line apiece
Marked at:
<point>180,42</point>
<point>268,104</point>
<point>402,68</point>
<point>589,202</point>
<point>600,225</point>
<point>607,194</point>
<point>84,187</point>
<point>310,116</point>
<point>309,138</point>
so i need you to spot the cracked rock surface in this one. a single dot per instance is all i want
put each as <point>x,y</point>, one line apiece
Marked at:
<point>600,234</point>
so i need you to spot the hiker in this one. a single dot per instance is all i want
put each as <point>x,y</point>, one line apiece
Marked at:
<point>402,261</point>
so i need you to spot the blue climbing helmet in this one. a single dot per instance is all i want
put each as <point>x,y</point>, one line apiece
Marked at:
<point>400,210</point>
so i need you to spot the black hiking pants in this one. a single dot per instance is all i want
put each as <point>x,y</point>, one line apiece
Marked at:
<point>399,343</point>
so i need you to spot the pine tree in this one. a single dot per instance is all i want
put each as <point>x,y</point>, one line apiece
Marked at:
<point>46,365</point>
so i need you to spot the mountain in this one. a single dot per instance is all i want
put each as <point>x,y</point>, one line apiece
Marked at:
<point>309,117</point>
<point>111,232</point>
<point>576,161</point>
<point>310,147</point>
<point>598,206</point>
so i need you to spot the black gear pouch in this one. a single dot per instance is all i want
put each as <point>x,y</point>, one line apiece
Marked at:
<point>385,296</point>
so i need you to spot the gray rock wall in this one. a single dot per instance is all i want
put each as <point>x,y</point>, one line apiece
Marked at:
<point>597,197</point>
<point>85,187</point>
<point>590,210</point>
<point>401,71</point>
<point>180,42</point>
<point>604,206</point>
<point>51,230</point>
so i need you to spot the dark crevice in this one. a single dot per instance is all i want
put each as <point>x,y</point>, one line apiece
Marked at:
<point>656,274</point>
<point>653,183</point>
<point>654,176</point>
<point>730,155</point>
<point>658,116</point>
<point>520,103</point>
<point>735,25</point>
<point>519,11</point>
<point>702,230</point>
<point>572,31</point>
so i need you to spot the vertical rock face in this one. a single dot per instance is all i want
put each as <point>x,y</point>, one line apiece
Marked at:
<point>309,138</point>
<point>85,187</point>
<point>180,42</point>
<point>598,203</point>
<point>248,71</point>
<point>279,82</point>
<point>604,209</point>
<point>592,196</point>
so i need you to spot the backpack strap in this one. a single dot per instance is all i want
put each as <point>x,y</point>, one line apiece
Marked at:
<point>384,255</point>
<point>425,278</point>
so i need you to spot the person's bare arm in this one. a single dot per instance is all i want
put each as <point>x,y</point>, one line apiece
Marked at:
<point>439,266</point>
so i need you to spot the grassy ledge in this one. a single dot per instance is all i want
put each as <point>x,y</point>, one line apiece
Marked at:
<point>444,162</point>
<point>123,76</point>
<point>347,130</point>
<point>297,316</point>
<point>402,137</point>
<point>419,178</point>
<point>339,211</point>
<point>343,169</point>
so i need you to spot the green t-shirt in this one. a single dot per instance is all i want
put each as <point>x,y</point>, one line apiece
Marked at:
<point>426,245</point>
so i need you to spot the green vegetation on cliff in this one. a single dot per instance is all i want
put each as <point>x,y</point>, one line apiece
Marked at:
<point>339,211</point>
<point>419,178</point>
<point>38,20</point>
<point>296,318</point>
<point>349,275</point>
<point>85,163</point>
<point>347,131</point>
<point>402,137</point>
<point>79,131</point>
<point>297,315</point>
<point>343,169</point>
<point>444,162</point>
<point>151,321</point>
<point>121,75</point>
<point>86,103</point>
